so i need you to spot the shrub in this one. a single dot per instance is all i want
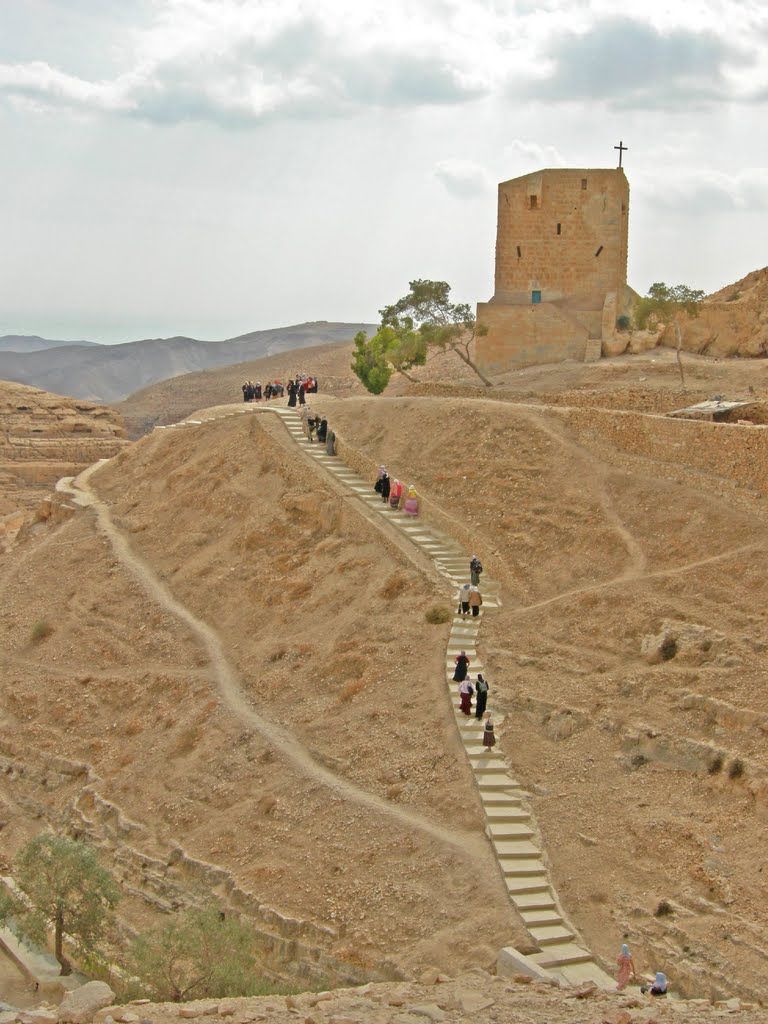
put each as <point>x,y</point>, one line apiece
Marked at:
<point>736,768</point>
<point>623,323</point>
<point>352,689</point>
<point>437,614</point>
<point>715,765</point>
<point>664,909</point>
<point>41,629</point>
<point>638,760</point>
<point>395,585</point>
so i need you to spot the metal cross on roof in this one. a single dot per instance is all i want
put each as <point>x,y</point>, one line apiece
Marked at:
<point>622,149</point>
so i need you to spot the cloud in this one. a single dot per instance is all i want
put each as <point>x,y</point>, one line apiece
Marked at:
<point>225,61</point>
<point>463,178</point>
<point>522,156</point>
<point>705,191</point>
<point>627,63</point>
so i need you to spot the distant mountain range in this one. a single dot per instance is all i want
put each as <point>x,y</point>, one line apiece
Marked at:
<point>108,373</point>
<point>32,343</point>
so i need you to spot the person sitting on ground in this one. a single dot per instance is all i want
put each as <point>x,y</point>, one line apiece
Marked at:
<point>659,986</point>
<point>626,968</point>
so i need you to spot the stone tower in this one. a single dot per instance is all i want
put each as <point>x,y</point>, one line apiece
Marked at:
<point>561,268</point>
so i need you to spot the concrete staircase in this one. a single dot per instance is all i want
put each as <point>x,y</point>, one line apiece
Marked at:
<point>594,350</point>
<point>510,826</point>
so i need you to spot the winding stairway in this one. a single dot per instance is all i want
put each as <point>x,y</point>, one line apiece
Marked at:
<point>511,827</point>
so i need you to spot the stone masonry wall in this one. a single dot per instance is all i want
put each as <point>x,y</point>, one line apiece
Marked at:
<point>532,254</point>
<point>527,335</point>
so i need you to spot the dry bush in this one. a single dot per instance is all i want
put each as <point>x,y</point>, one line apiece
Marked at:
<point>437,614</point>
<point>395,585</point>
<point>351,666</point>
<point>297,588</point>
<point>188,739</point>
<point>40,630</point>
<point>352,689</point>
<point>133,727</point>
<point>277,655</point>
<point>736,768</point>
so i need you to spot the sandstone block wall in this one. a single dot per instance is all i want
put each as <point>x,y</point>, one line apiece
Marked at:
<point>561,238</point>
<point>527,335</point>
<point>561,241</point>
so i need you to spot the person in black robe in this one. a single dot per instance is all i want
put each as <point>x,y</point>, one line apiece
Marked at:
<point>386,484</point>
<point>481,689</point>
<point>322,431</point>
<point>462,667</point>
<point>292,393</point>
<point>301,392</point>
<point>330,443</point>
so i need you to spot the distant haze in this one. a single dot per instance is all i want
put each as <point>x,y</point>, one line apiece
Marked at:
<point>108,373</point>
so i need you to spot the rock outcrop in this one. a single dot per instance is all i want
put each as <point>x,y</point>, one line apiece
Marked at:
<point>42,438</point>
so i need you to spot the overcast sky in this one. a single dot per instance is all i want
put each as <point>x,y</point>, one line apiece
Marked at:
<point>210,167</point>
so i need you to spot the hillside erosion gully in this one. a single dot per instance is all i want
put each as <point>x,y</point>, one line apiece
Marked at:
<point>510,826</point>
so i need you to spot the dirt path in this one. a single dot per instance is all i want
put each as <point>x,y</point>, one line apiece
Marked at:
<point>467,843</point>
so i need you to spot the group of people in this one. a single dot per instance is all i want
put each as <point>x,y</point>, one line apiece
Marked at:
<point>253,391</point>
<point>470,598</point>
<point>316,426</point>
<point>299,387</point>
<point>625,960</point>
<point>391,493</point>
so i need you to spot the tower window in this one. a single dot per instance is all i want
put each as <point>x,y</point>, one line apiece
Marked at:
<point>599,251</point>
<point>534,202</point>
<point>558,229</point>
<point>519,252</point>
<point>584,183</point>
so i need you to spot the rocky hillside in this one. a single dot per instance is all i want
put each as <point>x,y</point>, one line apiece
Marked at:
<point>42,438</point>
<point>107,373</point>
<point>732,322</point>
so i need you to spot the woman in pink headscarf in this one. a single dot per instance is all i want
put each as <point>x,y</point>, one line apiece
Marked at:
<point>395,494</point>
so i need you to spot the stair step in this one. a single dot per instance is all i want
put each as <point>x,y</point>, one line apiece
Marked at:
<point>505,814</point>
<point>536,900</point>
<point>535,886</point>
<point>509,830</point>
<point>515,867</point>
<point>540,917</point>
<point>517,848</point>
<point>550,934</point>
<point>562,953</point>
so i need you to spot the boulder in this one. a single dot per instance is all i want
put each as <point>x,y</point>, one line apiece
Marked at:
<point>80,1005</point>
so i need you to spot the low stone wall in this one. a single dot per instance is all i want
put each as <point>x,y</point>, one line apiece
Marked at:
<point>525,335</point>
<point>731,451</point>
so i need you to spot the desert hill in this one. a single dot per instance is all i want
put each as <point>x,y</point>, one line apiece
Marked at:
<point>42,438</point>
<point>34,343</point>
<point>628,661</point>
<point>107,373</point>
<point>168,401</point>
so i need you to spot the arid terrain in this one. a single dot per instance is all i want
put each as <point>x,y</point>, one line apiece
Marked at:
<point>233,668</point>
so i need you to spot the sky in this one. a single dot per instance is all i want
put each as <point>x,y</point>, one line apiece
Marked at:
<point>212,167</point>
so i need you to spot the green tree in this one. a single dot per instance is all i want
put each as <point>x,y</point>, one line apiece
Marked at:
<point>197,955</point>
<point>61,886</point>
<point>669,306</point>
<point>370,362</point>
<point>442,324</point>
